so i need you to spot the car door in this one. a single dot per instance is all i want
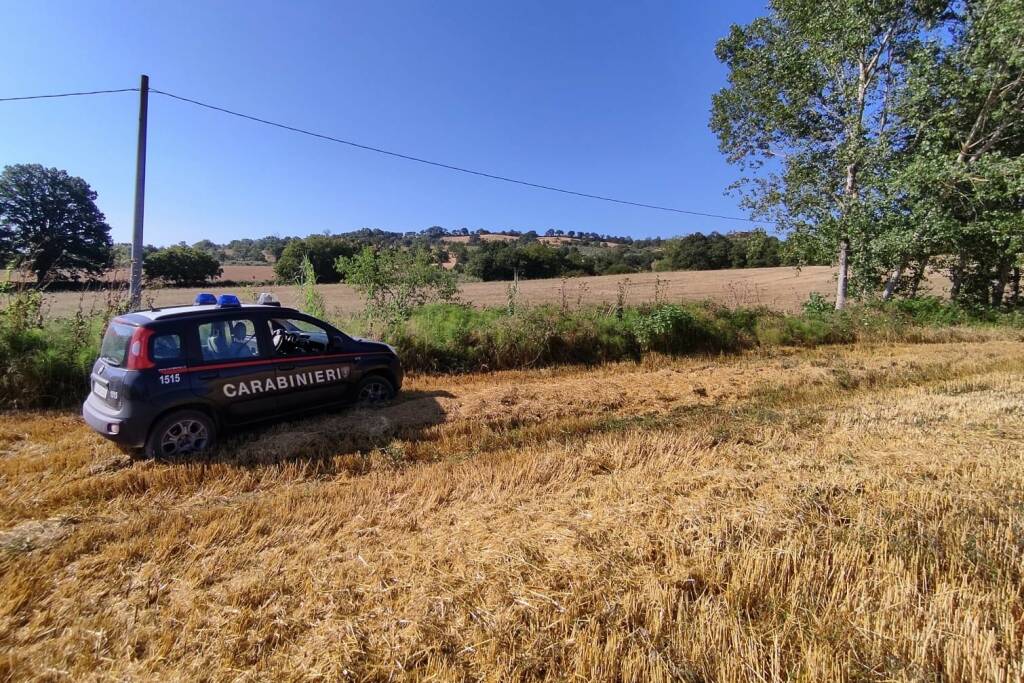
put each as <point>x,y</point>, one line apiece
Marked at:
<point>232,366</point>
<point>311,369</point>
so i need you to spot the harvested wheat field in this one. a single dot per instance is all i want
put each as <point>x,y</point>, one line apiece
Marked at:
<point>834,514</point>
<point>779,288</point>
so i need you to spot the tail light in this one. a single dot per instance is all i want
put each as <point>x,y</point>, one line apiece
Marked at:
<point>138,351</point>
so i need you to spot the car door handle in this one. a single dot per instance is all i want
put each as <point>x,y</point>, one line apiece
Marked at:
<point>285,367</point>
<point>208,375</point>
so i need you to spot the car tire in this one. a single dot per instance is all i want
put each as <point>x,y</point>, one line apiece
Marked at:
<point>181,433</point>
<point>374,391</point>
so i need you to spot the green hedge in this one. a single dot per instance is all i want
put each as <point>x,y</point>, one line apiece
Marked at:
<point>46,363</point>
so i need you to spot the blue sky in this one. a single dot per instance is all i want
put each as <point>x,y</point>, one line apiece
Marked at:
<point>603,97</point>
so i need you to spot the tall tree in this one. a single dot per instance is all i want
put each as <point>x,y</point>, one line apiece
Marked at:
<point>961,167</point>
<point>809,108</point>
<point>50,224</point>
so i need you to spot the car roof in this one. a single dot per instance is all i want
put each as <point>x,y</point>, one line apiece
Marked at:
<point>198,311</point>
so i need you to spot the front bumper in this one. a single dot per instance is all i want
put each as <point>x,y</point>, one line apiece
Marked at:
<point>118,428</point>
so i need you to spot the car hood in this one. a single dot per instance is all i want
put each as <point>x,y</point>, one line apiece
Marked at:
<point>375,345</point>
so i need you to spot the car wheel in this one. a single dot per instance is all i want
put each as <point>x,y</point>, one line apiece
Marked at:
<point>374,390</point>
<point>181,433</point>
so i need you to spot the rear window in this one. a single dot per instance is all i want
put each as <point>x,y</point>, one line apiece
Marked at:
<point>114,348</point>
<point>167,349</point>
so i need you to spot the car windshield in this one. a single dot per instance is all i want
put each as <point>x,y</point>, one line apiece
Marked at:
<point>115,343</point>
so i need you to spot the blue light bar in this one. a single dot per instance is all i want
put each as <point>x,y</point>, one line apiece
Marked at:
<point>205,299</point>
<point>228,301</point>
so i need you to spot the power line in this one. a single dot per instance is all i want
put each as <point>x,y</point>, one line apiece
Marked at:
<point>450,167</point>
<point>66,94</point>
<point>398,155</point>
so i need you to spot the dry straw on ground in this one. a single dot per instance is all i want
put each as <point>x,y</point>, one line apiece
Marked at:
<point>779,288</point>
<point>837,514</point>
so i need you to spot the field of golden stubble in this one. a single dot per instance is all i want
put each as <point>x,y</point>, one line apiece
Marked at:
<point>833,514</point>
<point>781,288</point>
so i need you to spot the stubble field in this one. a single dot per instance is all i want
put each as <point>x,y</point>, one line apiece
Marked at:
<point>832,514</point>
<point>778,288</point>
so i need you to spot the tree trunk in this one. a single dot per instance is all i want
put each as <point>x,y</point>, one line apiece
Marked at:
<point>844,274</point>
<point>844,242</point>
<point>915,283</point>
<point>957,277</point>
<point>892,282</point>
<point>999,288</point>
<point>1015,287</point>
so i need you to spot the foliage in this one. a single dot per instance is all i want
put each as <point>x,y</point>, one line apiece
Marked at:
<point>675,329</point>
<point>44,363</point>
<point>50,224</point>
<point>181,266</point>
<point>393,282</point>
<point>459,338</point>
<point>755,249</point>
<point>323,251</point>
<point>503,260</point>
<point>262,250</point>
<point>122,254</point>
<point>311,298</point>
<point>528,254</point>
<point>816,304</point>
<point>961,160</point>
<point>889,132</point>
<point>808,106</point>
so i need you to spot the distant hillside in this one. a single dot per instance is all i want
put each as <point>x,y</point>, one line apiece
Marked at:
<point>501,255</point>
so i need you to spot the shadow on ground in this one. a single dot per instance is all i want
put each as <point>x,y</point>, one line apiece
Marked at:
<point>340,439</point>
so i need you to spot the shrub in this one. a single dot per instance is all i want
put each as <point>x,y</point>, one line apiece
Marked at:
<point>311,298</point>
<point>394,282</point>
<point>44,364</point>
<point>931,310</point>
<point>808,330</point>
<point>817,304</point>
<point>675,329</point>
<point>181,266</point>
<point>458,338</point>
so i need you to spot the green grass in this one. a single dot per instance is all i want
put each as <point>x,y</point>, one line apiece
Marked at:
<point>459,338</point>
<point>46,362</point>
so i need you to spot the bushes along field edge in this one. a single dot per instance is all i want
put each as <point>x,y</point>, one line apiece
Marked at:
<point>46,363</point>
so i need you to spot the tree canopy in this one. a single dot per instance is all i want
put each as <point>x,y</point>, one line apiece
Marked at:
<point>50,224</point>
<point>885,131</point>
<point>323,251</point>
<point>181,266</point>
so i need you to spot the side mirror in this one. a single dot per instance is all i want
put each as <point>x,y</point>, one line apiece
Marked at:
<point>337,342</point>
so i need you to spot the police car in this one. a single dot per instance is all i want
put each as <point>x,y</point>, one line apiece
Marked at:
<point>168,380</point>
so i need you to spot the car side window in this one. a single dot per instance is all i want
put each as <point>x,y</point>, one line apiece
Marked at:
<point>294,337</point>
<point>231,339</point>
<point>167,350</point>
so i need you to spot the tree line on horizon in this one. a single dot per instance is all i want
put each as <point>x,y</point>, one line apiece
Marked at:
<point>527,256</point>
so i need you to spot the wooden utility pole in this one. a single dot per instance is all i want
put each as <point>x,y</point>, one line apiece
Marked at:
<point>135,286</point>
